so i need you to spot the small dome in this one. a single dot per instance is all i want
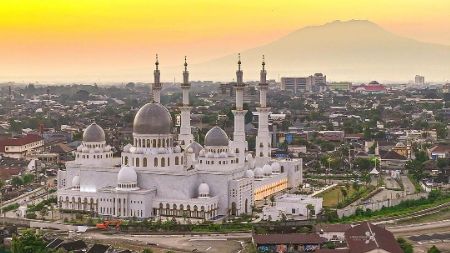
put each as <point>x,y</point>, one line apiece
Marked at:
<point>196,148</point>
<point>249,157</point>
<point>267,170</point>
<point>85,150</point>
<point>216,137</point>
<point>202,152</point>
<point>76,181</point>
<point>259,173</point>
<point>203,190</point>
<point>249,174</point>
<point>177,149</point>
<point>127,148</point>
<point>80,148</point>
<point>152,118</point>
<point>127,175</point>
<point>93,133</point>
<point>276,167</point>
<point>107,148</point>
<point>98,150</point>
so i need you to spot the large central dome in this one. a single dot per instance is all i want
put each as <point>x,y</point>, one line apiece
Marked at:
<point>152,118</point>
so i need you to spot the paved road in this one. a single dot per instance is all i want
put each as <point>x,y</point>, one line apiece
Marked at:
<point>213,243</point>
<point>409,186</point>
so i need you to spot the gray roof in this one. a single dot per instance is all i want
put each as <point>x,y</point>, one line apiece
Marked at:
<point>152,118</point>
<point>196,148</point>
<point>216,137</point>
<point>93,133</point>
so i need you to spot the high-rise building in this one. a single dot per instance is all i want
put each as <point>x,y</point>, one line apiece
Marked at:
<point>419,80</point>
<point>313,83</point>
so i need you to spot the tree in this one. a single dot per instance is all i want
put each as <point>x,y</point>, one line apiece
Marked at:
<point>272,200</point>
<point>405,246</point>
<point>434,249</point>
<point>147,251</point>
<point>27,178</point>
<point>17,181</point>
<point>43,212</point>
<point>309,210</point>
<point>28,242</point>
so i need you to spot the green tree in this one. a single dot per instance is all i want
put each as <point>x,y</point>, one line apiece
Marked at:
<point>434,249</point>
<point>405,245</point>
<point>28,242</point>
<point>27,178</point>
<point>17,181</point>
<point>147,251</point>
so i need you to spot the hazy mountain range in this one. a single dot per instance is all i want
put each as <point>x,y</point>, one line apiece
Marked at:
<point>355,50</point>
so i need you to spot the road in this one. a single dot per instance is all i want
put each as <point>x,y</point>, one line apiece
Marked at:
<point>408,185</point>
<point>214,243</point>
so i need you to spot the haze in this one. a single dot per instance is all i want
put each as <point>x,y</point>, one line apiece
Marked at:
<point>103,41</point>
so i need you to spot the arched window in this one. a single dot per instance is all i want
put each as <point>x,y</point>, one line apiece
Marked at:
<point>168,161</point>
<point>144,162</point>
<point>126,160</point>
<point>155,162</point>
<point>137,162</point>
<point>159,143</point>
<point>163,162</point>
<point>177,160</point>
<point>148,143</point>
<point>154,143</point>
<point>139,143</point>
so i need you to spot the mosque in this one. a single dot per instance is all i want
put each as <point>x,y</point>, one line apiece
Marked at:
<point>167,174</point>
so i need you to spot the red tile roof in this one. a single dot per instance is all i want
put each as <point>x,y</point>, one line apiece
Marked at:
<point>19,141</point>
<point>366,237</point>
<point>296,238</point>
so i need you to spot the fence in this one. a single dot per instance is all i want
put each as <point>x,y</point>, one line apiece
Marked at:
<point>374,206</point>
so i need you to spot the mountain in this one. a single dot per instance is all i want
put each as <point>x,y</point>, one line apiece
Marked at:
<point>355,50</point>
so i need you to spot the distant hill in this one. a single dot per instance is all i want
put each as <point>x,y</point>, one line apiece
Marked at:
<point>343,50</point>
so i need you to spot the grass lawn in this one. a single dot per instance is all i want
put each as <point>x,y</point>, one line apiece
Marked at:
<point>332,197</point>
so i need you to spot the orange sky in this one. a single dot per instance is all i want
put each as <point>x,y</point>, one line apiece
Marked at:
<point>105,40</point>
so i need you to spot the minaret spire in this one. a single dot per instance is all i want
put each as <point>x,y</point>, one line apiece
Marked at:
<point>185,135</point>
<point>239,143</point>
<point>263,140</point>
<point>156,89</point>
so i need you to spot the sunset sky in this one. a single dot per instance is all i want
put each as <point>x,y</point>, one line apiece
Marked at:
<point>103,40</point>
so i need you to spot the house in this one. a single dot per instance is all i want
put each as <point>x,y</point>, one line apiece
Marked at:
<point>75,246</point>
<point>99,248</point>
<point>392,160</point>
<point>20,147</point>
<point>439,151</point>
<point>271,243</point>
<point>367,237</point>
<point>292,205</point>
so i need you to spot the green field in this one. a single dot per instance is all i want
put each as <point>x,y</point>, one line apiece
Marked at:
<point>333,196</point>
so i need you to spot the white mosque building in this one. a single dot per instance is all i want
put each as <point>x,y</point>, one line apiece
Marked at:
<point>167,174</point>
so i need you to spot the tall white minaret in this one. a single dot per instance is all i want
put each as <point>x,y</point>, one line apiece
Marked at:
<point>185,136</point>
<point>156,89</point>
<point>263,139</point>
<point>239,142</point>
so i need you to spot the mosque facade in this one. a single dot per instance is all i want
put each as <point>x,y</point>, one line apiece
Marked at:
<point>167,174</point>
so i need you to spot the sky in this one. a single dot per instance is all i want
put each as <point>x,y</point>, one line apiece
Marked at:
<point>106,40</point>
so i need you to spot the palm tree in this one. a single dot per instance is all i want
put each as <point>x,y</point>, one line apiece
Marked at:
<point>309,210</point>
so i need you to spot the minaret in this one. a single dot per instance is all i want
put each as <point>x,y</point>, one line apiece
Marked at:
<point>239,142</point>
<point>185,136</point>
<point>263,139</point>
<point>156,89</point>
